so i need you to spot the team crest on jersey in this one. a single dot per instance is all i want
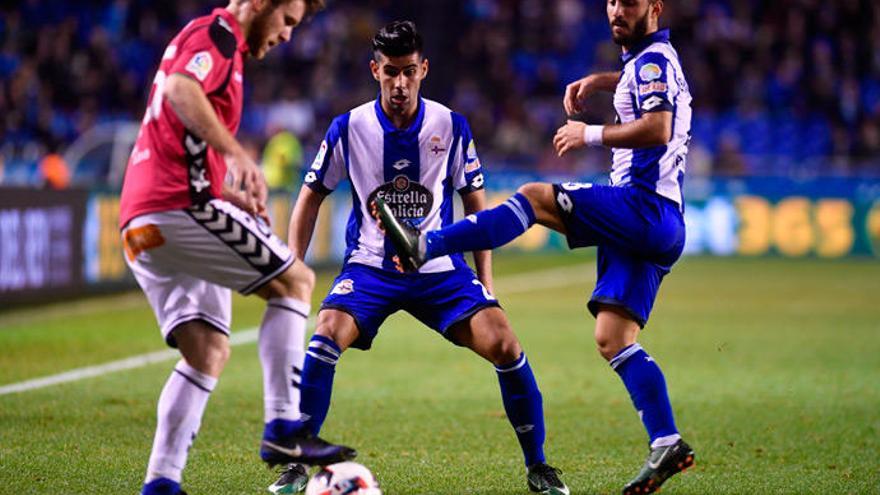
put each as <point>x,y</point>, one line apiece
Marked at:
<point>650,72</point>
<point>407,198</point>
<point>437,146</point>
<point>345,286</point>
<point>200,65</point>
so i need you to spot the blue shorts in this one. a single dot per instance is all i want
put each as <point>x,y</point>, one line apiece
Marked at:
<point>640,235</point>
<point>439,300</point>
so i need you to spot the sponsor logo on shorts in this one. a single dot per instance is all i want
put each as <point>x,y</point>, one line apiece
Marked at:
<point>139,239</point>
<point>343,287</point>
<point>408,199</point>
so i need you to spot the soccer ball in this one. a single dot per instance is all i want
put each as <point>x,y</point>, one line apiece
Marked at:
<point>344,478</point>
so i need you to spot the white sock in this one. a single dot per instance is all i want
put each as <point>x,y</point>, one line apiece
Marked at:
<point>180,410</point>
<point>665,441</point>
<point>282,342</point>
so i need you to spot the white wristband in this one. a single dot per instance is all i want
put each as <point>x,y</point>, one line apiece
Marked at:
<point>593,135</point>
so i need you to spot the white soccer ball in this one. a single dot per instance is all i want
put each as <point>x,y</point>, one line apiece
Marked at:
<point>344,478</point>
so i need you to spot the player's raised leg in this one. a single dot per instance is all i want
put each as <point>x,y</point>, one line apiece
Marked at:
<point>616,334</point>
<point>488,333</point>
<point>182,403</point>
<point>487,229</point>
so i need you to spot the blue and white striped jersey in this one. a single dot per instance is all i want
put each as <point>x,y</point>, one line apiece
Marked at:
<point>652,81</point>
<point>415,170</point>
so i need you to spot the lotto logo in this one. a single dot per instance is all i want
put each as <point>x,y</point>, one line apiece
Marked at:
<point>564,202</point>
<point>478,181</point>
<point>652,103</point>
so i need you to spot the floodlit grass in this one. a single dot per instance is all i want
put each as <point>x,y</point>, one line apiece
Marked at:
<point>772,366</point>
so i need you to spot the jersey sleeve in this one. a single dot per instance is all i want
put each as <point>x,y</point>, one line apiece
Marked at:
<point>467,171</point>
<point>328,169</point>
<point>207,55</point>
<point>653,83</point>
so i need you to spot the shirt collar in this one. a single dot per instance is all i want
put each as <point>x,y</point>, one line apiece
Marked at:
<point>234,25</point>
<point>661,36</point>
<point>388,126</point>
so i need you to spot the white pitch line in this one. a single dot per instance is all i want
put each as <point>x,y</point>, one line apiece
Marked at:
<point>513,284</point>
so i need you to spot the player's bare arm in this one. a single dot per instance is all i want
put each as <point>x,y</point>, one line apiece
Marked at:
<point>652,129</point>
<point>302,220</point>
<point>247,187</point>
<point>474,202</point>
<point>577,92</point>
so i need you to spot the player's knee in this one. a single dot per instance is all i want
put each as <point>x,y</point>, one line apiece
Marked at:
<point>506,351</point>
<point>504,347</point>
<point>296,282</point>
<point>608,344</point>
<point>534,191</point>
<point>337,327</point>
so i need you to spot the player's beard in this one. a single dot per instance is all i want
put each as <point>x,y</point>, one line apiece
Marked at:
<point>637,32</point>
<point>258,35</point>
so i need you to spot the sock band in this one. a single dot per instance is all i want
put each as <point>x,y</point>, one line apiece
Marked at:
<point>623,355</point>
<point>324,349</point>
<point>515,365</point>
<point>290,304</point>
<point>197,378</point>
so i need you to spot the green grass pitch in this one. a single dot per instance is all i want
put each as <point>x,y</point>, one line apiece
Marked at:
<point>773,367</point>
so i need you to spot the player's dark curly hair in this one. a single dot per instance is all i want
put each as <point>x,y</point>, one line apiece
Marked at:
<point>397,39</point>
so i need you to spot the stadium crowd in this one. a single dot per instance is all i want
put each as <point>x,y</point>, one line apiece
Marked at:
<point>786,87</point>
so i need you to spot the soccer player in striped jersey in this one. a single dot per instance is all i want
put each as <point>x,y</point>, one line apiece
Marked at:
<point>636,221</point>
<point>415,153</point>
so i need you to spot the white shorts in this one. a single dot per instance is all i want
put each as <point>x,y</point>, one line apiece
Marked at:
<point>186,261</point>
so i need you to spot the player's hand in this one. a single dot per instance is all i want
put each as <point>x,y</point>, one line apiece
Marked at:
<point>374,211</point>
<point>245,185</point>
<point>397,264</point>
<point>569,137</point>
<point>576,94</point>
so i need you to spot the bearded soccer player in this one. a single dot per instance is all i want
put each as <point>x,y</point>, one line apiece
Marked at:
<point>415,153</point>
<point>192,219</point>
<point>636,221</point>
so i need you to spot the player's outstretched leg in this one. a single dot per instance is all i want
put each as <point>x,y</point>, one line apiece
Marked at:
<point>669,454</point>
<point>487,229</point>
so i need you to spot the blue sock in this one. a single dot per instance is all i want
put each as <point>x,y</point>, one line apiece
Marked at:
<point>522,401</point>
<point>487,229</point>
<point>647,388</point>
<point>317,381</point>
<point>161,486</point>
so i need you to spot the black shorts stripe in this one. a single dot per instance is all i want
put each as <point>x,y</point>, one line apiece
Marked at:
<point>240,238</point>
<point>287,308</point>
<point>191,380</point>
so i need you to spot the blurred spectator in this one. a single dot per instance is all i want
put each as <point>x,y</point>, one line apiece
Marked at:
<point>282,161</point>
<point>792,81</point>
